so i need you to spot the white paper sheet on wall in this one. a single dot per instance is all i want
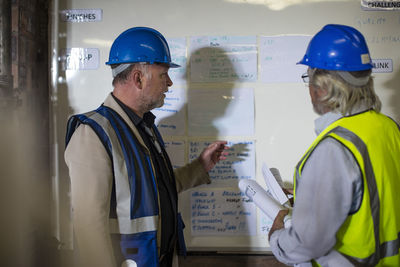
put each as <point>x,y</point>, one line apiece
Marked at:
<point>221,112</point>
<point>265,223</point>
<point>177,47</point>
<point>222,212</point>
<point>278,58</point>
<point>170,118</point>
<point>223,58</point>
<point>176,153</point>
<point>239,163</point>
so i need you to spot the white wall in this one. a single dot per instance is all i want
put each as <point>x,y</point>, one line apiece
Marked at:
<point>283,112</point>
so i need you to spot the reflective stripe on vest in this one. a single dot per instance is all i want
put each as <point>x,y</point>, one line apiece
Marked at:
<point>128,226</point>
<point>372,189</point>
<point>388,248</point>
<point>124,225</point>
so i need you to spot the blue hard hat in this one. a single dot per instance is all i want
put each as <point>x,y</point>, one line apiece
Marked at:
<point>140,44</point>
<point>338,47</point>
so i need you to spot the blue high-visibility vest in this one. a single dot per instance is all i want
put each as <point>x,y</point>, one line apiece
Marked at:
<point>134,209</point>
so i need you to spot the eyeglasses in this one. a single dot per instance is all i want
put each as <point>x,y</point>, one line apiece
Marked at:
<point>306,78</point>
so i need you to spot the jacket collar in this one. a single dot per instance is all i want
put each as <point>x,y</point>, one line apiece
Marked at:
<point>328,118</point>
<point>111,103</point>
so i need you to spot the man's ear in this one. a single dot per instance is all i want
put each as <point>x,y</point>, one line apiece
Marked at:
<point>136,77</point>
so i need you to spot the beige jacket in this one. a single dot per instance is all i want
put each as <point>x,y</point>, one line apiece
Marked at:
<point>91,183</point>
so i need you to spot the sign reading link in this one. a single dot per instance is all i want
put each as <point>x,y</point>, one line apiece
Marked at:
<point>382,65</point>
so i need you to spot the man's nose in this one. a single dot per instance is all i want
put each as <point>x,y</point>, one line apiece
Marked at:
<point>169,81</point>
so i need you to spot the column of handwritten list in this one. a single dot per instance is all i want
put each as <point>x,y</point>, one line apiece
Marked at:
<point>227,110</point>
<point>222,212</point>
<point>220,208</point>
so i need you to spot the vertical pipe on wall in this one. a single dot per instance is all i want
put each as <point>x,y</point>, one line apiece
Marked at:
<point>53,107</point>
<point>6,83</point>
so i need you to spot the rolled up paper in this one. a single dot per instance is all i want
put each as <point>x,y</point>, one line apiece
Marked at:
<point>260,197</point>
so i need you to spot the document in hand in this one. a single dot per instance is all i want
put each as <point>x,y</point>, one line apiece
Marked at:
<point>274,184</point>
<point>260,197</point>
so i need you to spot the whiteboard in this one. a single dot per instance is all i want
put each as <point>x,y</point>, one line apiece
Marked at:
<point>239,59</point>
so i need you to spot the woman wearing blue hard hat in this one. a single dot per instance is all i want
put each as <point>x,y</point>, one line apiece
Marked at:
<point>346,210</point>
<point>124,190</point>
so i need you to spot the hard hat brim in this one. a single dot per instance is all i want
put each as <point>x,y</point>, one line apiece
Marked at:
<point>174,65</point>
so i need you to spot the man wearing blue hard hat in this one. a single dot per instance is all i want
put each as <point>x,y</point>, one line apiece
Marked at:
<point>346,210</point>
<point>124,191</point>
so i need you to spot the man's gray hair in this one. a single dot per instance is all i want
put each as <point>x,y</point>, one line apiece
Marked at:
<point>121,71</point>
<point>345,90</point>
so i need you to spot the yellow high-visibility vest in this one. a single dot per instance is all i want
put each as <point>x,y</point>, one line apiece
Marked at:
<point>370,236</point>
